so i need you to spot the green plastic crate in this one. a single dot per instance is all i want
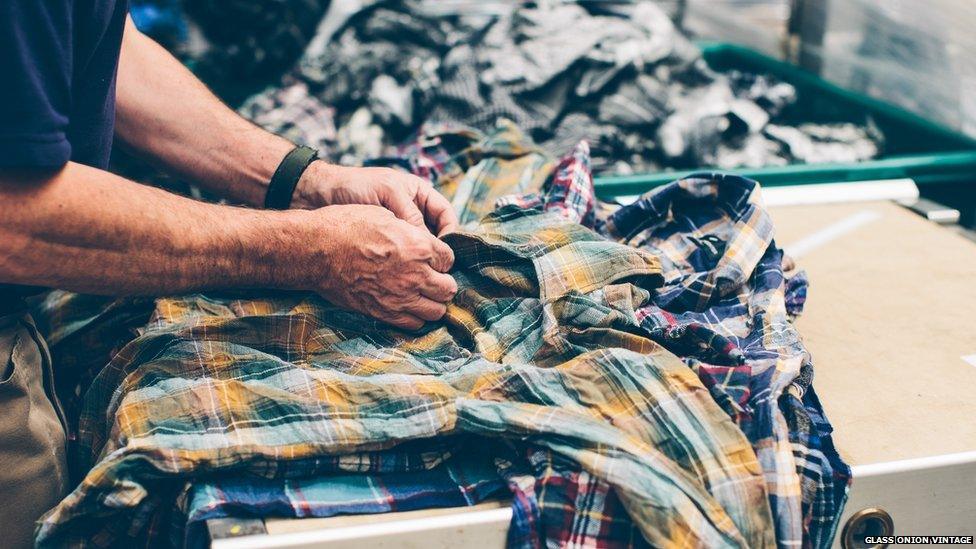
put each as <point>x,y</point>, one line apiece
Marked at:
<point>914,147</point>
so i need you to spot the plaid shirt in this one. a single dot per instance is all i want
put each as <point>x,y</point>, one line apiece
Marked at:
<point>726,307</point>
<point>468,477</point>
<point>473,169</point>
<point>614,440</point>
<point>536,346</point>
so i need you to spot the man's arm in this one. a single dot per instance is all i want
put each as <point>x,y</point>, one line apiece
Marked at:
<point>87,230</point>
<point>170,116</point>
<point>167,114</point>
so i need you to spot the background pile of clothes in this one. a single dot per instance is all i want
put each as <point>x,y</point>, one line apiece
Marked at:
<point>370,74</point>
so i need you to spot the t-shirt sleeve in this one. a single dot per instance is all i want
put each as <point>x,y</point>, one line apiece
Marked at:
<point>35,96</point>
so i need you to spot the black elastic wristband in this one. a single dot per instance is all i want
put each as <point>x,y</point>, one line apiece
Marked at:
<point>286,177</point>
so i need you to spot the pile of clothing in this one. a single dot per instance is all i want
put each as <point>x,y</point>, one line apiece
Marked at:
<point>619,74</point>
<point>627,376</point>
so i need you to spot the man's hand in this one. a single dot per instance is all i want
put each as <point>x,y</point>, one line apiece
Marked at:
<point>381,266</point>
<point>87,230</point>
<point>409,197</point>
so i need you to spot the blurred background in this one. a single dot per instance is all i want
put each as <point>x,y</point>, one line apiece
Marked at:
<point>915,54</point>
<point>871,89</point>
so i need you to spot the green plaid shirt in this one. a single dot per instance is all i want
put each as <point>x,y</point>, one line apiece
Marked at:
<point>541,344</point>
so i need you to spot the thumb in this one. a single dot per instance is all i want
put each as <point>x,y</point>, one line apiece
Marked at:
<point>403,206</point>
<point>443,258</point>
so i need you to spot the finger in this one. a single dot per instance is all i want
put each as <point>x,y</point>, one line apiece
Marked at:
<point>427,309</point>
<point>405,321</point>
<point>440,287</point>
<point>443,258</point>
<point>438,211</point>
<point>399,201</point>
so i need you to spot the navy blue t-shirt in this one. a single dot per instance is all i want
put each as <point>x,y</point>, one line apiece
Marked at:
<point>58,60</point>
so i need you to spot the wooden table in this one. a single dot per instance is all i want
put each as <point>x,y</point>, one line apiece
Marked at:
<point>891,324</point>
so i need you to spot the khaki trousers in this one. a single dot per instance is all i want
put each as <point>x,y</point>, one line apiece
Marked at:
<point>33,471</point>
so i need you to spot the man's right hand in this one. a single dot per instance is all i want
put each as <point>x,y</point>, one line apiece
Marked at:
<point>368,260</point>
<point>86,230</point>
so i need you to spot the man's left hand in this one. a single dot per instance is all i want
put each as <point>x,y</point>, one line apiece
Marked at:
<point>409,197</point>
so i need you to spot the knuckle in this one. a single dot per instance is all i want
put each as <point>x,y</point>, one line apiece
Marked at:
<point>420,249</point>
<point>406,278</point>
<point>389,176</point>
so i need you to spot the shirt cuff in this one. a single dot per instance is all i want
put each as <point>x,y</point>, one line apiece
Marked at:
<point>18,151</point>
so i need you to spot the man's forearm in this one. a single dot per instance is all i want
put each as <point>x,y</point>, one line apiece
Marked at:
<point>169,116</point>
<point>164,112</point>
<point>87,230</point>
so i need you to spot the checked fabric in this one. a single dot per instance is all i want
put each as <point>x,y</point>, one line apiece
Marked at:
<point>541,350</point>
<point>645,389</point>
<point>726,308</point>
